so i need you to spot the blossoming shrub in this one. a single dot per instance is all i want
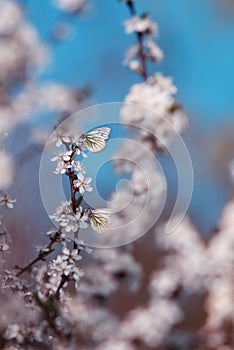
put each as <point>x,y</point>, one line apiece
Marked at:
<point>174,293</point>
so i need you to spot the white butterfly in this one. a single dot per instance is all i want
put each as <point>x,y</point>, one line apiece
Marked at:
<point>99,220</point>
<point>95,140</point>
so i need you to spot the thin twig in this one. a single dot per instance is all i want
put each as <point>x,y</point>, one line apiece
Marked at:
<point>41,256</point>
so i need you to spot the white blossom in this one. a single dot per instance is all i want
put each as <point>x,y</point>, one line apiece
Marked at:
<point>61,167</point>
<point>63,156</point>
<point>71,256</point>
<point>63,162</point>
<point>65,265</point>
<point>78,167</point>
<point>83,183</point>
<point>6,200</point>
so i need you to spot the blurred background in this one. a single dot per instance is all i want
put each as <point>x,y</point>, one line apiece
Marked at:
<point>85,52</point>
<point>57,58</point>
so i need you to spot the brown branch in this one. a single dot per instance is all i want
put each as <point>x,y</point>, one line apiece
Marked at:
<point>41,256</point>
<point>64,279</point>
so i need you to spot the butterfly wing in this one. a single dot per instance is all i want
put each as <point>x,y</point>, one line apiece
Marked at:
<point>95,140</point>
<point>94,144</point>
<point>99,221</point>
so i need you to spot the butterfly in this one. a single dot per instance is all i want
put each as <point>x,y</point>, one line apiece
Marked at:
<point>95,140</point>
<point>99,220</point>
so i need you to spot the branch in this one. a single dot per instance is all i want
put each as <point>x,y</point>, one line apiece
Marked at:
<point>64,279</point>
<point>41,255</point>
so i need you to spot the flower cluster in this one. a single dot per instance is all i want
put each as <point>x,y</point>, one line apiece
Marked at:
<point>69,220</point>
<point>64,266</point>
<point>162,117</point>
<point>146,48</point>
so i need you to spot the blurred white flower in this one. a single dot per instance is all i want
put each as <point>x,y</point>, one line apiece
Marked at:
<point>96,321</point>
<point>141,25</point>
<point>161,117</point>
<point>10,16</point>
<point>185,244</point>
<point>154,52</point>
<point>131,53</point>
<point>152,324</point>
<point>164,282</point>
<point>97,283</point>
<point>135,66</point>
<point>39,136</point>
<point>70,6</point>
<point>20,49</point>
<point>219,304</point>
<point>226,220</point>
<point>14,331</point>
<point>60,137</point>
<point>7,170</point>
<point>122,266</point>
<point>56,97</point>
